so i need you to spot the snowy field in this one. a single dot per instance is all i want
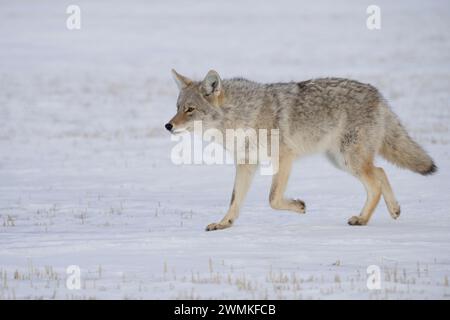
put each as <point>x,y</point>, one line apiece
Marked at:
<point>85,171</point>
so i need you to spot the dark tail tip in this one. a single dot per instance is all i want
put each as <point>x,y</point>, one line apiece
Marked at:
<point>432,169</point>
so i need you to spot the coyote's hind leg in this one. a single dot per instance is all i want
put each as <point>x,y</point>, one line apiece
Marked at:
<point>388,194</point>
<point>372,184</point>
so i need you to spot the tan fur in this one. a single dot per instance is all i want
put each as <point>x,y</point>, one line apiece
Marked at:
<point>279,183</point>
<point>244,174</point>
<point>347,120</point>
<point>372,184</point>
<point>400,149</point>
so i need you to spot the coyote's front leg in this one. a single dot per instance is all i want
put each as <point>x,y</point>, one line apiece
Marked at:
<point>244,175</point>
<point>279,183</point>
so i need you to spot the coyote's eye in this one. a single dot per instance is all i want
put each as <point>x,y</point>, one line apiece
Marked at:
<point>189,109</point>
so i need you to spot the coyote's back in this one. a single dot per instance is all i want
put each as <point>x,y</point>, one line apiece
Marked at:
<point>347,120</point>
<point>334,114</point>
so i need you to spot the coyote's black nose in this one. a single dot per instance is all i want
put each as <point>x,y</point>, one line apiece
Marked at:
<point>169,126</point>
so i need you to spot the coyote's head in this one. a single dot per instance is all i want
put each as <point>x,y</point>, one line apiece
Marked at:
<point>197,101</point>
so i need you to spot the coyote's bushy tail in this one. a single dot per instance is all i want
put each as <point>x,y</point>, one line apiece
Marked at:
<point>401,150</point>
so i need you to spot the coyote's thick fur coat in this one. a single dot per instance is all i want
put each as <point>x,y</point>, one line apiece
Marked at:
<point>347,120</point>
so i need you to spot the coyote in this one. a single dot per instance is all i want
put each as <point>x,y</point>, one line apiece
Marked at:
<point>347,120</point>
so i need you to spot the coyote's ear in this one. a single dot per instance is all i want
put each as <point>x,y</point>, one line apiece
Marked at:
<point>212,84</point>
<point>182,81</point>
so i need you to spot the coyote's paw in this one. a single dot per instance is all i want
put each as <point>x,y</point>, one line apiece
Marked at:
<point>357,221</point>
<point>300,206</point>
<point>217,226</point>
<point>295,205</point>
<point>394,211</point>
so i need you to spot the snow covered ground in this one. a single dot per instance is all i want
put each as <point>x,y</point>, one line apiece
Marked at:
<point>85,171</point>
